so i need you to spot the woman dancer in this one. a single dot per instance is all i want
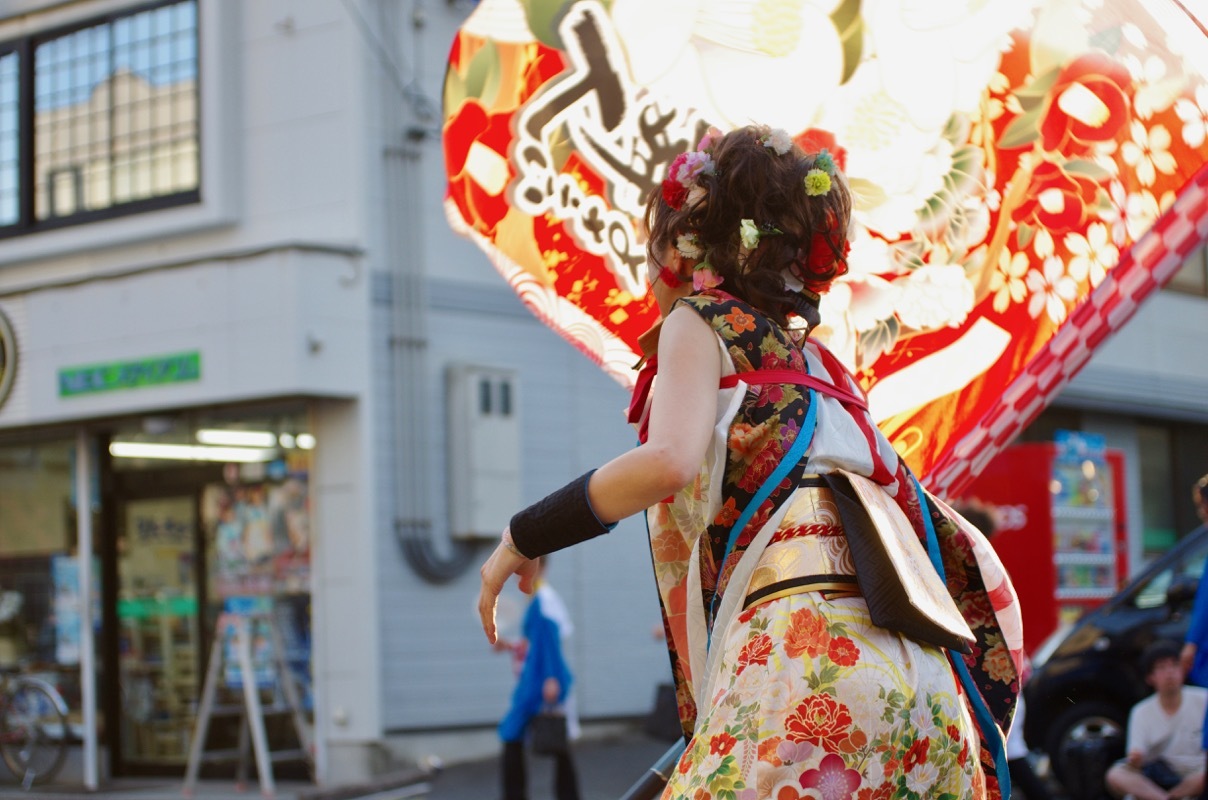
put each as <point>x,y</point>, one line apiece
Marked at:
<point>758,463</point>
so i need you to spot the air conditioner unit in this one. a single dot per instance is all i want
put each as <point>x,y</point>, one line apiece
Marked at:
<point>484,450</point>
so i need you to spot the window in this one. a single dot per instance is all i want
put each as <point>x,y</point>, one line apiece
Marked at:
<point>110,109</point>
<point>1186,571</point>
<point>1192,277</point>
<point>9,86</point>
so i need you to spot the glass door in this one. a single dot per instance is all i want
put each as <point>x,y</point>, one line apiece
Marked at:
<point>158,627</point>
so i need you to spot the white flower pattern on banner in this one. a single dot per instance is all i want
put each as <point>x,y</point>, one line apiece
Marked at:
<point>1115,213</point>
<point>934,296</point>
<point>1042,244</point>
<point>1051,290</point>
<point>1093,255</point>
<point>1148,151</point>
<point>1156,89</point>
<point>1194,116</point>
<point>1007,282</point>
<point>1140,212</point>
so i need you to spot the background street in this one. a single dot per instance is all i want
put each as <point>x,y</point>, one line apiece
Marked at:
<point>607,765</point>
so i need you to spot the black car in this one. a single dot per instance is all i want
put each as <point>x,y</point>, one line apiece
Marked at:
<point>1088,677</point>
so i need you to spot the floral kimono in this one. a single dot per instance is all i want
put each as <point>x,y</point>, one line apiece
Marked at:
<point>786,689</point>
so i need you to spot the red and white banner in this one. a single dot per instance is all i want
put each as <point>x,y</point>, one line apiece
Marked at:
<point>1025,173</point>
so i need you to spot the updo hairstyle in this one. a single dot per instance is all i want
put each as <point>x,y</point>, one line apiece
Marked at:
<point>802,236</point>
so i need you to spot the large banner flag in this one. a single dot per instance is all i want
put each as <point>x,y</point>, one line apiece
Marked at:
<point>1025,173</point>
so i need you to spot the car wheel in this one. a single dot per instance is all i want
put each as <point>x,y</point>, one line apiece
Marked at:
<point>1089,731</point>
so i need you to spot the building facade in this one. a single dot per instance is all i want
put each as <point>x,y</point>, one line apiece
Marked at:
<point>242,355</point>
<point>223,239</point>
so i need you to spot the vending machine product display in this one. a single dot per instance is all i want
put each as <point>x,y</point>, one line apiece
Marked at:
<point>1060,514</point>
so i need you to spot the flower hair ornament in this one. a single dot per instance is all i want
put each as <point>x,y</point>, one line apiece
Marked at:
<point>818,180</point>
<point>690,247</point>
<point>681,184</point>
<point>778,141</point>
<point>750,233</point>
<point>825,260</point>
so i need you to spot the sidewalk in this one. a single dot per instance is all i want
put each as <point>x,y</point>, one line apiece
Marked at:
<point>606,766</point>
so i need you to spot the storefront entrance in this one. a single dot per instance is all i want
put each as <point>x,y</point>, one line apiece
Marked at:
<point>155,658</point>
<point>194,514</point>
<point>192,532</point>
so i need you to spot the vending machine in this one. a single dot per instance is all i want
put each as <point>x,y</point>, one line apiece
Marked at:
<point>1061,526</point>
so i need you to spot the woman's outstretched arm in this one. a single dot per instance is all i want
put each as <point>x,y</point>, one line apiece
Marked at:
<point>681,425</point>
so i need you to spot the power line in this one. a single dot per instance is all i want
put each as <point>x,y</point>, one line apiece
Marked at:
<point>421,105</point>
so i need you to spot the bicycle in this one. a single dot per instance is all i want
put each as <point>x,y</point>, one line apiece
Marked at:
<point>34,731</point>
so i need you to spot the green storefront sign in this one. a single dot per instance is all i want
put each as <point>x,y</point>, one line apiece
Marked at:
<point>148,607</point>
<point>154,371</point>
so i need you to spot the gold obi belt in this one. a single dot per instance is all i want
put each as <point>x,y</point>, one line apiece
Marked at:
<point>808,553</point>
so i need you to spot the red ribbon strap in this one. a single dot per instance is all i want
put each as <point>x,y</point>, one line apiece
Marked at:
<point>793,376</point>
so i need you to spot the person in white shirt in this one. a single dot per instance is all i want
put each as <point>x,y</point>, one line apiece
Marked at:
<point>1164,728</point>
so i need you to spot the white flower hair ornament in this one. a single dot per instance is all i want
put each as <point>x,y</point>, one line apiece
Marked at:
<point>688,245</point>
<point>750,233</point>
<point>778,141</point>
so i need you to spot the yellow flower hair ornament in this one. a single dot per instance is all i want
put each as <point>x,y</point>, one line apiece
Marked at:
<point>817,182</point>
<point>819,179</point>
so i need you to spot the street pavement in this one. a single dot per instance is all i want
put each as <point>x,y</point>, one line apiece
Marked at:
<point>607,766</point>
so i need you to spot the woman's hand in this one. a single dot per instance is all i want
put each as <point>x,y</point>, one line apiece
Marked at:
<point>503,564</point>
<point>550,690</point>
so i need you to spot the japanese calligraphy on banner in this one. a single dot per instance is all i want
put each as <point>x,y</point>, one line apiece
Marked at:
<point>1024,173</point>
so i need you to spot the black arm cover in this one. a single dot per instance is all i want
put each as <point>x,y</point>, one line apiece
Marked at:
<point>563,518</point>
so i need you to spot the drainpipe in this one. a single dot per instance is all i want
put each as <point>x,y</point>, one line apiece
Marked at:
<point>413,117</point>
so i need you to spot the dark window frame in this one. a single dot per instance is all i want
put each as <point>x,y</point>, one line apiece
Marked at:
<point>26,47</point>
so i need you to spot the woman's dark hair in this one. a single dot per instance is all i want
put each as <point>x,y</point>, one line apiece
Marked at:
<point>751,181</point>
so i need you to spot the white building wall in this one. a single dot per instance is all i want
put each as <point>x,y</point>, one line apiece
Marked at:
<point>286,322</point>
<point>1155,366</point>
<point>439,669</point>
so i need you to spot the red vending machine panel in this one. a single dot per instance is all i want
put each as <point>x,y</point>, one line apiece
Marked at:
<point>1061,531</point>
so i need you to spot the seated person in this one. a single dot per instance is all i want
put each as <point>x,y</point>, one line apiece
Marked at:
<point>1165,760</point>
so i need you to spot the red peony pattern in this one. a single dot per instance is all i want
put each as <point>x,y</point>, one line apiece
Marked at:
<point>819,720</point>
<point>807,635</point>
<point>755,651</point>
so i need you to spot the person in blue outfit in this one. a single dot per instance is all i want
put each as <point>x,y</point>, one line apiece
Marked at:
<point>544,682</point>
<point>1194,656</point>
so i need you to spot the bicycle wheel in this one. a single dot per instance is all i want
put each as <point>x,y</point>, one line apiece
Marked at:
<point>33,731</point>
